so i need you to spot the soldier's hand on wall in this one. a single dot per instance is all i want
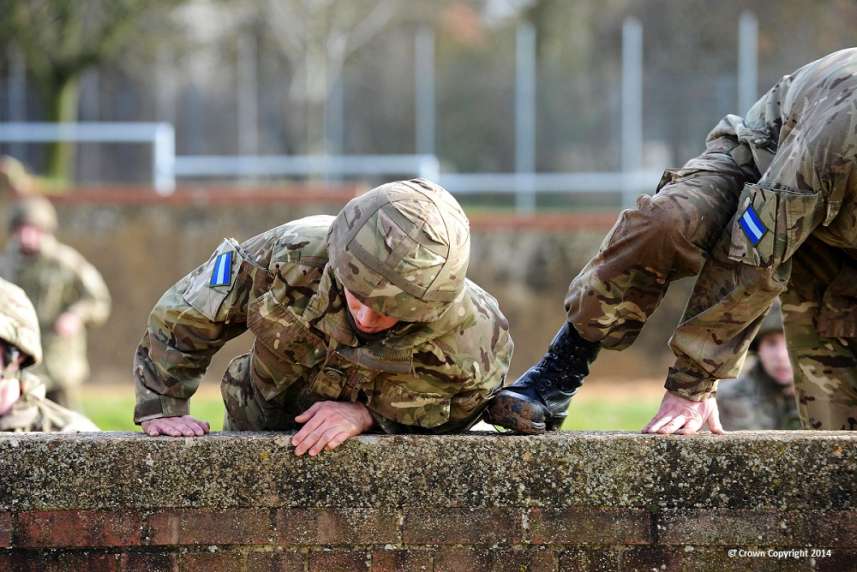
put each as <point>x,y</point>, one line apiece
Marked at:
<point>684,417</point>
<point>68,324</point>
<point>328,423</point>
<point>184,426</point>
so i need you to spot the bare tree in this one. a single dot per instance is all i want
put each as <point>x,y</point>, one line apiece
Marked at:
<point>61,40</point>
<point>317,37</point>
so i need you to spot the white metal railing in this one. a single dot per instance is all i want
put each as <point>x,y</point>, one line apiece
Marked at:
<point>305,165</point>
<point>160,135</point>
<point>629,185</point>
<point>167,166</point>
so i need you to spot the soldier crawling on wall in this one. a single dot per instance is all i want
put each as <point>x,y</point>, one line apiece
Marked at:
<point>763,396</point>
<point>361,321</point>
<point>769,209</point>
<point>23,406</point>
<point>67,291</point>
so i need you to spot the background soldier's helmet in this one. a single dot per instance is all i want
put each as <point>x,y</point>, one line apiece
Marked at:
<point>37,211</point>
<point>19,325</point>
<point>772,323</point>
<point>402,249</point>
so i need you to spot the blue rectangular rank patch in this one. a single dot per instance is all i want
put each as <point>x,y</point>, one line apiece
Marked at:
<point>752,225</point>
<point>222,273</point>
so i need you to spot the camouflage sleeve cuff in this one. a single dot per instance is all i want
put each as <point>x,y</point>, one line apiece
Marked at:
<point>160,406</point>
<point>691,384</point>
<point>386,425</point>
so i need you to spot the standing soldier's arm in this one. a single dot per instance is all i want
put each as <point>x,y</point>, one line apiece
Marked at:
<point>93,305</point>
<point>190,323</point>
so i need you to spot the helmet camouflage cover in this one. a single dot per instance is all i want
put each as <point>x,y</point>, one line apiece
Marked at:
<point>37,211</point>
<point>772,323</point>
<point>402,249</point>
<point>19,325</point>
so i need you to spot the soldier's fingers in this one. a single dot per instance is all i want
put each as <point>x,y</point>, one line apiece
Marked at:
<point>308,428</point>
<point>693,425</point>
<point>303,417</point>
<point>197,428</point>
<point>714,423</point>
<point>674,425</point>
<point>337,440</point>
<point>152,430</point>
<point>196,424</point>
<point>168,428</point>
<point>311,439</point>
<point>322,441</point>
<point>189,428</point>
<point>657,423</point>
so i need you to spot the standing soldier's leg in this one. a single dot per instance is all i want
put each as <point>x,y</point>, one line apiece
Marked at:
<point>665,238</point>
<point>825,368</point>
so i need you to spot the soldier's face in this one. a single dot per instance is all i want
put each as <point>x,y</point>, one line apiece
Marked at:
<point>10,387</point>
<point>775,358</point>
<point>29,238</point>
<point>367,320</point>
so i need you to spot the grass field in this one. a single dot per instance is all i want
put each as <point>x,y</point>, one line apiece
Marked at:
<point>601,407</point>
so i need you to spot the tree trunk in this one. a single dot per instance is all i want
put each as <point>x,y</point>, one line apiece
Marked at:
<point>62,105</point>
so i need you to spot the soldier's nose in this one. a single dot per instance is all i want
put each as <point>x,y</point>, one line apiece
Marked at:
<point>366,316</point>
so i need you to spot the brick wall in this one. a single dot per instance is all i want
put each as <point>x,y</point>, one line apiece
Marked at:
<point>595,501</point>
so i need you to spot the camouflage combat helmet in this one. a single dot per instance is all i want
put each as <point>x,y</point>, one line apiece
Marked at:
<point>19,325</point>
<point>771,323</point>
<point>37,211</point>
<point>402,249</point>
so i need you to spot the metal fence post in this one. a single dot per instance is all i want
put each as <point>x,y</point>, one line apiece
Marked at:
<point>164,159</point>
<point>424,102</point>
<point>748,61</point>
<point>525,116</point>
<point>17,94</point>
<point>632,108</point>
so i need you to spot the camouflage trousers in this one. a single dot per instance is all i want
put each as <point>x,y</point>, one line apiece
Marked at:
<point>822,345</point>
<point>247,410</point>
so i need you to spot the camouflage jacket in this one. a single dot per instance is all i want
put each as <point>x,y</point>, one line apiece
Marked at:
<point>33,412</point>
<point>433,377</point>
<point>755,401</point>
<point>59,280</point>
<point>801,138</point>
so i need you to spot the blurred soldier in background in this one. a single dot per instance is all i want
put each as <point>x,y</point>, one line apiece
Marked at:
<point>768,209</point>
<point>763,396</point>
<point>364,320</point>
<point>23,406</point>
<point>68,293</point>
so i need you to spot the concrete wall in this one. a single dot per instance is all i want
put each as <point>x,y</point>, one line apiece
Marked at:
<point>585,501</point>
<point>143,244</point>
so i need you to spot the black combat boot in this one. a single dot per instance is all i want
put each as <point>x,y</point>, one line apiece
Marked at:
<point>539,399</point>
